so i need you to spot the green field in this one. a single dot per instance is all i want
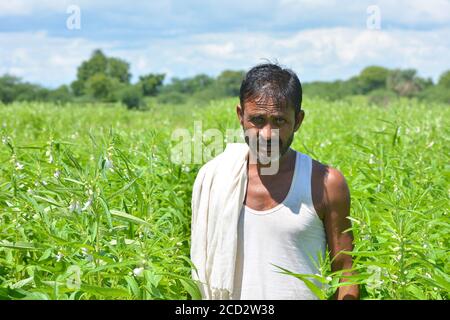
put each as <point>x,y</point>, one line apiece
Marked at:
<point>91,207</point>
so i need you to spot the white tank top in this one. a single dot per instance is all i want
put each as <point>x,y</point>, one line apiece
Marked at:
<point>290,235</point>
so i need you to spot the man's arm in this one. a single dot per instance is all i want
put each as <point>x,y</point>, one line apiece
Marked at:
<point>336,212</point>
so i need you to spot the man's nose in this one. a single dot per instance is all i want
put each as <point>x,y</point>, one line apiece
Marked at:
<point>266,132</point>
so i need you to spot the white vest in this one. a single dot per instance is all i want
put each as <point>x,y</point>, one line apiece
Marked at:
<point>290,235</point>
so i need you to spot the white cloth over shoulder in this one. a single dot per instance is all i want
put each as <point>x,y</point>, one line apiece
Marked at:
<point>217,199</point>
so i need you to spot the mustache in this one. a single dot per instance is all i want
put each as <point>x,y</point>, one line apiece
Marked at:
<point>262,142</point>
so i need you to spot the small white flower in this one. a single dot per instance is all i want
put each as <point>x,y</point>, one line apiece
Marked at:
<point>4,140</point>
<point>59,256</point>
<point>186,169</point>
<point>329,278</point>
<point>75,207</point>
<point>30,191</point>
<point>57,174</point>
<point>87,204</point>
<point>44,183</point>
<point>138,271</point>
<point>19,166</point>
<point>48,153</point>
<point>86,254</point>
<point>108,163</point>
<point>424,246</point>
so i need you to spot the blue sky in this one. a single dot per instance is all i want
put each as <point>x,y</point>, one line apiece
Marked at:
<point>320,40</point>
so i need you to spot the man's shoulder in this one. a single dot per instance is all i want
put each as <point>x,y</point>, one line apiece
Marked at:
<point>328,187</point>
<point>232,152</point>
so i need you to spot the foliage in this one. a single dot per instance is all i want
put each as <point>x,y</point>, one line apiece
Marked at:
<point>92,208</point>
<point>373,78</point>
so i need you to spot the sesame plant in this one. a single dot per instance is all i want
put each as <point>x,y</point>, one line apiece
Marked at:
<point>92,207</point>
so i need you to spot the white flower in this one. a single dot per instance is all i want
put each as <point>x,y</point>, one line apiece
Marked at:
<point>30,191</point>
<point>85,253</point>
<point>19,166</point>
<point>87,204</point>
<point>75,206</point>
<point>108,163</point>
<point>44,183</point>
<point>48,153</point>
<point>138,271</point>
<point>57,174</point>
<point>59,256</point>
<point>329,278</point>
<point>4,140</point>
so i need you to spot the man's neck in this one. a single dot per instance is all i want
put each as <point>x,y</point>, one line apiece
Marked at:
<point>285,163</point>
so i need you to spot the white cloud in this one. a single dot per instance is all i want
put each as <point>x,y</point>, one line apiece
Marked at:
<point>38,58</point>
<point>325,54</point>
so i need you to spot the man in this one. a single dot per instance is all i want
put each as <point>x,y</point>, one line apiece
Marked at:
<point>261,205</point>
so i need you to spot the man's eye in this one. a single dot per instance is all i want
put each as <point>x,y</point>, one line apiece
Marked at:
<point>280,120</point>
<point>257,120</point>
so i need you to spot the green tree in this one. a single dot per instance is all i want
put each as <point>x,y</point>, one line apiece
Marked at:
<point>229,82</point>
<point>406,83</point>
<point>100,64</point>
<point>372,78</point>
<point>7,88</point>
<point>118,69</point>
<point>131,96</point>
<point>151,83</point>
<point>99,86</point>
<point>444,80</point>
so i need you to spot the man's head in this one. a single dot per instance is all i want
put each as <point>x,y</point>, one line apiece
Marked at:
<point>270,107</point>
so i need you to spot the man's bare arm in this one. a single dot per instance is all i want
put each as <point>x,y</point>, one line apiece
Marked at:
<point>336,212</point>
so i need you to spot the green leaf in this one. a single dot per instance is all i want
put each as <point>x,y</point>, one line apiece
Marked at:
<point>129,217</point>
<point>18,245</point>
<point>105,291</point>
<point>192,288</point>
<point>134,287</point>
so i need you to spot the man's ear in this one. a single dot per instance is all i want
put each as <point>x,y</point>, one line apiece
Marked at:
<point>240,114</point>
<point>299,119</point>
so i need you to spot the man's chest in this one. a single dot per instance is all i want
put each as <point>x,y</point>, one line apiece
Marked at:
<point>264,194</point>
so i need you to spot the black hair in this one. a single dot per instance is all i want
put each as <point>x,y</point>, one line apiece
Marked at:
<point>269,81</point>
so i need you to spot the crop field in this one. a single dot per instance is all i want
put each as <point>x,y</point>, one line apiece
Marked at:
<point>92,207</point>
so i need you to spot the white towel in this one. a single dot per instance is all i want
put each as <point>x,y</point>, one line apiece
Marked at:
<point>217,199</point>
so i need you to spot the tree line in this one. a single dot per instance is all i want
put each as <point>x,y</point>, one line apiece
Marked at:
<point>108,79</point>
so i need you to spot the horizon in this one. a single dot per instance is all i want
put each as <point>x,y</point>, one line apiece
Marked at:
<point>320,41</point>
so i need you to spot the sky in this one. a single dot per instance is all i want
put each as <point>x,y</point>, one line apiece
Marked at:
<point>45,41</point>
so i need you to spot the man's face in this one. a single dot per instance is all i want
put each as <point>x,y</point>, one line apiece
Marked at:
<point>268,123</point>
